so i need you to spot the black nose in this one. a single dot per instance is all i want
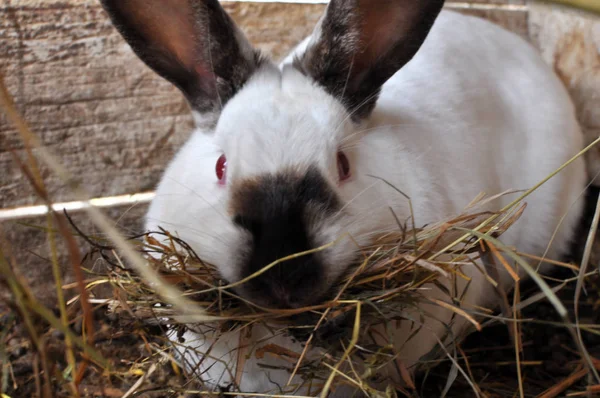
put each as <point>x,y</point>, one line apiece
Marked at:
<point>292,284</point>
<point>281,213</point>
<point>296,279</point>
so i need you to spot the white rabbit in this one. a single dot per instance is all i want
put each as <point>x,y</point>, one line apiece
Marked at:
<point>465,107</point>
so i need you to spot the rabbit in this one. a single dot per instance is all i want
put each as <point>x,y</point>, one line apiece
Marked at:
<point>288,157</point>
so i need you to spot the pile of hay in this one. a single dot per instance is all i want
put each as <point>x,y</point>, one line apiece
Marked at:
<point>130,356</point>
<point>377,291</point>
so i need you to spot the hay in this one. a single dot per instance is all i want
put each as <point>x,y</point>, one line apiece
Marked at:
<point>375,293</point>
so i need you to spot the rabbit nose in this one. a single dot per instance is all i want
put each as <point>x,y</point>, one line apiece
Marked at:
<point>282,296</point>
<point>292,284</point>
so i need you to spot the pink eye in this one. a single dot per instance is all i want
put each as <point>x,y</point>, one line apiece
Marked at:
<point>343,166</point>
<point>221,169</point>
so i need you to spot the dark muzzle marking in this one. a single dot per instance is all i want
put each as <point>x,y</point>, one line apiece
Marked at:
<point>276,210</point>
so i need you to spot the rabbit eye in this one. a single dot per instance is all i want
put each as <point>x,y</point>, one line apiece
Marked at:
<point>221,169</point>
<point>343,166</point>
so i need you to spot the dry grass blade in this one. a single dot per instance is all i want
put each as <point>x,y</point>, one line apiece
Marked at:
<point>64,318</point>
<point>559,388</point>
<point>140,381</point>
<point>355,336</point>
<point>517,337</point>
<point>560,308</point>
<point>580,281</point>
<point>459,312</point>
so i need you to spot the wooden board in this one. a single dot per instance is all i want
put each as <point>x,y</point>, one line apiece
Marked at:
<point>570,41</point>
<point>112,121</point>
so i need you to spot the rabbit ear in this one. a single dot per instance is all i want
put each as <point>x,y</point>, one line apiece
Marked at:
<point>360,44</point>
<point>192,43</point>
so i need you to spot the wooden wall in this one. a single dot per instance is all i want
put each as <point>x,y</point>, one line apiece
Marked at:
<point>115,124</point>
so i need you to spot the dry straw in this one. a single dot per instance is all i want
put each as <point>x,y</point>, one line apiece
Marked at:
<point>391,279</point>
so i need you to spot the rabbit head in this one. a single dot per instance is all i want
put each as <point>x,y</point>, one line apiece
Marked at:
<point>273,168</point>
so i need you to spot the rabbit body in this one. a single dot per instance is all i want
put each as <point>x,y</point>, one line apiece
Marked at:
<point>475,110</point>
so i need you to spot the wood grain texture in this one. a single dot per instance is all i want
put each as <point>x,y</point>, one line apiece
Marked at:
<point>514,21</point>
<point>570,42</point>
<point>99,109</point>
<point>113,122</point>
<point>500,2</point>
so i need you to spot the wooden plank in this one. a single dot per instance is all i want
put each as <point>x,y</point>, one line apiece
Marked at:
<point>515,21</point>
<point>98,108</point>
<point>112,121</point>
<point>570,42</point>
<point>499,2</point>
<point>275,28</point>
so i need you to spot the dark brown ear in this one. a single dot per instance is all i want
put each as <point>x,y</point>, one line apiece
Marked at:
<point>192,43</point>
<point>360,44</point>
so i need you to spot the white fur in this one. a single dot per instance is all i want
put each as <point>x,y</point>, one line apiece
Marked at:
<point>476,110</point>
